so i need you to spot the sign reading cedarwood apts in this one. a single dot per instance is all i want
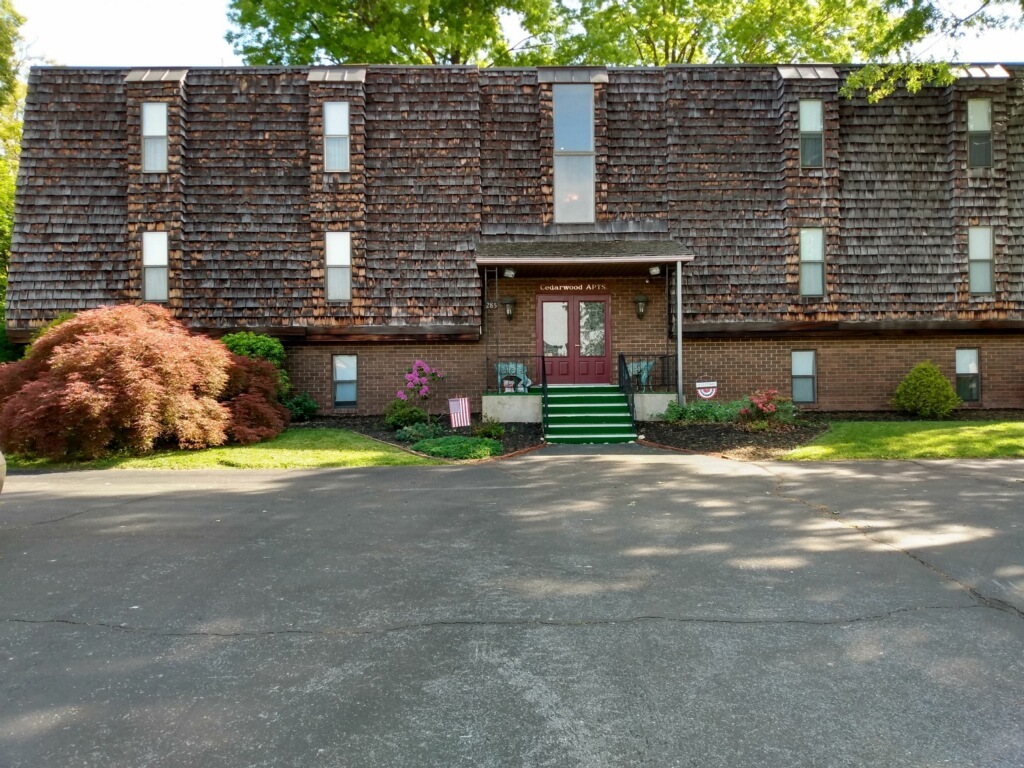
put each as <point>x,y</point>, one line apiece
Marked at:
<point>573,288</point>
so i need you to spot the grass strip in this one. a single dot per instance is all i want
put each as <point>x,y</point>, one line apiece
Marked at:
<point>292,449</point>
<point>915,440</point>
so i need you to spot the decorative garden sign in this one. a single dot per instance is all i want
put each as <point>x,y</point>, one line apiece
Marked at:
<point>707,389</point>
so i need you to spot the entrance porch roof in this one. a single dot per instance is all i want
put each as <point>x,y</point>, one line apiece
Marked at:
<point>564,258</point>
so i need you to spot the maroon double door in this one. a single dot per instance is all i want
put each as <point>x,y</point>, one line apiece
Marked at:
<point>574,339</point>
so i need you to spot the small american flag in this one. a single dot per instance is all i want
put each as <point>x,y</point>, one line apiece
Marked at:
<point>458,407</point>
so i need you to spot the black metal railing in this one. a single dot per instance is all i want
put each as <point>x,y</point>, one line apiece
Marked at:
<point>514,374</point>
<point>626,388</point>
<point>544,397</point>
<point>648,373</point>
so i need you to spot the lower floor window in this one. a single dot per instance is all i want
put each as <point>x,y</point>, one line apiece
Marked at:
<point>968,375</point>
<point>804,376</point>
<point>344,381</point>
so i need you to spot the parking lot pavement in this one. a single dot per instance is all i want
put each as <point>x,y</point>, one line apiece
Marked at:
<point>570,607</point>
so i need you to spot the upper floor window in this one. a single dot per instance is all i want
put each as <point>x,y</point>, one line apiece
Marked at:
<point>336,154</point>
<point>979,133</point>
<point>574,153</point>
<point>154,266</point>
<point>812,261</point>
<point>979,259</point>
<point>812,134</point>
<point>338,246</point>
<point>154,137</point>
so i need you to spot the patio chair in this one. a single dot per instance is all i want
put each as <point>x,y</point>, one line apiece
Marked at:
<point>642,370</point>
<point>517,371</point>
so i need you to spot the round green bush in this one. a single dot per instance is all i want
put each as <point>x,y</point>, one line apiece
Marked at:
<point>422,431</point>
<point>457,447</point>
<point>402,413</point>
<point>302,407</point>
<point>925,392</point>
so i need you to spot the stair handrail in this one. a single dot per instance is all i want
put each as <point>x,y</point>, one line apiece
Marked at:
<point>626,388</point>
<point>544,396</point>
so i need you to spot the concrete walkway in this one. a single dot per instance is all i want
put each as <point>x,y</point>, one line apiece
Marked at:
<point>569,607</point>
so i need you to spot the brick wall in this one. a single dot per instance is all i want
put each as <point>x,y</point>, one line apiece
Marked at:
<point>381,369</point>
<point>854,373</point>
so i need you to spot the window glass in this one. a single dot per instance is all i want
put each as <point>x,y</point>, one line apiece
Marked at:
<point>811,116</point>
<point>338,254</point>
<point>154,137</point>
<point>154,266</point>
<point>574,118</point>
<point>574,188</point>
<point>979,115</point>
<point>803,373</point>
<point>812,262</point>
<point>968,375</point>
<point>336,137</point>
<point>345,381</point>
<point>154,119</point>
<point>979,254</point>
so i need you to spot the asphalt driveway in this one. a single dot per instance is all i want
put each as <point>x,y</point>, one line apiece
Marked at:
<point>570,607</point>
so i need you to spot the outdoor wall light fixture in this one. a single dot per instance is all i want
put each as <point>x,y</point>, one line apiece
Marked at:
<point>510,306</point>
<point>641,305</point>
<point>655,270</point>
<point>509,273</point>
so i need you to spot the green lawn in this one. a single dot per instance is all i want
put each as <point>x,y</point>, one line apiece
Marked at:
<point>915,440</point>
<point>293,449</point>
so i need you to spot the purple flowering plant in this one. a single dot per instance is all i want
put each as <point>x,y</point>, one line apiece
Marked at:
<point>418,381</point>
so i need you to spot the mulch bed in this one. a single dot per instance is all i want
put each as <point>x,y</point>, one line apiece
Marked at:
<point>731,440</point>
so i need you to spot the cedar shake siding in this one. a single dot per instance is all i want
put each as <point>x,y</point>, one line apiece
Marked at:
<point>451,178</point>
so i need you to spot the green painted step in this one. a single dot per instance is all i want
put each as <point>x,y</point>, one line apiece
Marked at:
<point>588,414</point>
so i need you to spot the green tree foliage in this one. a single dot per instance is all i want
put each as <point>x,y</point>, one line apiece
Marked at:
<point>661,32</point>
<point>925,392</point>
<point>305,32</point>
<point>10,40</point>
<point>12,102</point>
<point>257,346</point>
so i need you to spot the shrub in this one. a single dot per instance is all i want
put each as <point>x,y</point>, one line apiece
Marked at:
<point>402,413</point>
<point>704,410</point>
<point>302,407</point>
<point>925,392</point>
<point>494,430</point>
<point>457,447</point>
<point>251,397</point>
<point>766,410</point>
<point>110,379</point>
<point>422,431</point>
<point>258,346</point>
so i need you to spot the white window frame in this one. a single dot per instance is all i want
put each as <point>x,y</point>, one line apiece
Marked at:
<point>574,161</point>
<point>155,280</point>
<point>979,132</point>
<point>351,378</point>
<point>802,375</point>
<point>154,137</point>
<point>812,129</point>
<point>337,137</point>
<point>812,260</point>
<point>968,372</point>
<point>338,264</point>
<point>980,264</point>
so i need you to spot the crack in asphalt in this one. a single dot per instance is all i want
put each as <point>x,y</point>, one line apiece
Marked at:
<point>981,599</point>
<point>524,623</point>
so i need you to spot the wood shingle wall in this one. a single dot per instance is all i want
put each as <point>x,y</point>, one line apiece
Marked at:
<point>441,157</point>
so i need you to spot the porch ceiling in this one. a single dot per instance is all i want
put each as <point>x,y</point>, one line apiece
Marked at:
<point>608,258</point>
